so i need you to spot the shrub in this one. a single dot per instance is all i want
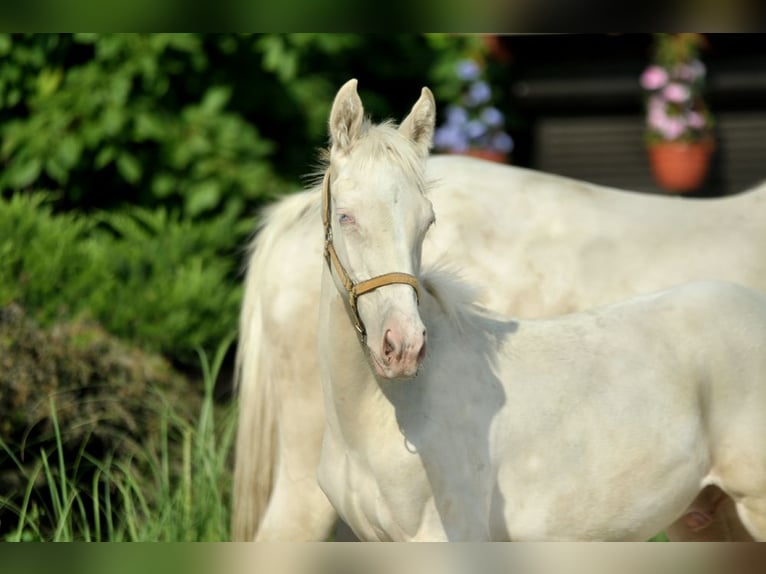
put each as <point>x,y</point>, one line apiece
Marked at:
<point>142,118</point>
<point>148,276</point>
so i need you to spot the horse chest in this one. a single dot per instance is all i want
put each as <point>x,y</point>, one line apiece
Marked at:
<point>382,495</point>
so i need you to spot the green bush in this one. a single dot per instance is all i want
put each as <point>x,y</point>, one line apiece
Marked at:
<point>152,277</point>
<point>189,121</point>
<point>141,118</point>
<point>158,146</point>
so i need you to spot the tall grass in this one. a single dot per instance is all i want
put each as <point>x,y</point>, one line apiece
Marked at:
<point>178,490</point>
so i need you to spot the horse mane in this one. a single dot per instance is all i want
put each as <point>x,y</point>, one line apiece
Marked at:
<point>457,298</point>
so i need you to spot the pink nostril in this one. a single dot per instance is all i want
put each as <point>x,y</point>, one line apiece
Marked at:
<point>422,352</point>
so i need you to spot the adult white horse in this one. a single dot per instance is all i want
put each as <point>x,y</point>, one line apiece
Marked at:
<point>602,425</point>
<point>541,244</point>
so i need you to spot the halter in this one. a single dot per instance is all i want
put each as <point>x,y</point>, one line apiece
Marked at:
<point>354,289</point>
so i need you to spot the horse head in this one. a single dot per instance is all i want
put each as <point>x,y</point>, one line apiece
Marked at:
<point>376,217</point>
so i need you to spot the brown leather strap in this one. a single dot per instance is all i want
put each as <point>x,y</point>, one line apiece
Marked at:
<point>388,279</point>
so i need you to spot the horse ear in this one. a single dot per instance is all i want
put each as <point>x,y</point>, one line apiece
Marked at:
<point>419,123</point>
<point>346,117</point>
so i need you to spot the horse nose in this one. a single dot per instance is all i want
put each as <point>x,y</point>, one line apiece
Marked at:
<point>403,352</point>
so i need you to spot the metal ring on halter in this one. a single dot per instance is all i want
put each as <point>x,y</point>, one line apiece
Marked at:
<point>355,289</point>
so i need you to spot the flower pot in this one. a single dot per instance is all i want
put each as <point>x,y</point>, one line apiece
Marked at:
<point>489,155</point>
<point>679,166</point>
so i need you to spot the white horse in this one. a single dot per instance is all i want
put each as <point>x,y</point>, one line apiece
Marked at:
<point>601,425</point>
<point>541,244</point>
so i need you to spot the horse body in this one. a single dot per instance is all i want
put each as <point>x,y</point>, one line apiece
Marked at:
<point>606,424</point>
<point>547,245</point>
<point>541,245</point>
<point>599,425</point>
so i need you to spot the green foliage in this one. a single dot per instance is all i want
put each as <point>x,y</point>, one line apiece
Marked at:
<point>188,121</point>
<point>155,132</point>
<point>127,117</point>
<point>152,277</point>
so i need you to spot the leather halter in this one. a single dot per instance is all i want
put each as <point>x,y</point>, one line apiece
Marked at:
<point>354,289</point>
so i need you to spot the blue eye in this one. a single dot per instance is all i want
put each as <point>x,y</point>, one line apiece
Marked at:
<point>345,219</point>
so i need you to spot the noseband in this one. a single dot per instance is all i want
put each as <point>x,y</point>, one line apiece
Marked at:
<point>354,289</point>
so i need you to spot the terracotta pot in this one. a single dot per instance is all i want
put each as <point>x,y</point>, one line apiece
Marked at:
<point>679,166</point>
<point>496,156</point>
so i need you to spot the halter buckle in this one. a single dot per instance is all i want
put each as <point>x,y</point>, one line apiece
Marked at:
<point>357,320</point>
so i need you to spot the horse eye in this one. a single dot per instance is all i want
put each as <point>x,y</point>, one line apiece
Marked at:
<point>345,219</point>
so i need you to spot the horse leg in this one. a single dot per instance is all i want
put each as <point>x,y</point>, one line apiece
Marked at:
<point>752,511</point>
<point>711,517</point>
<point>298,510</point>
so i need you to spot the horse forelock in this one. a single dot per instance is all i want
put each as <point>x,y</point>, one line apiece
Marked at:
<point>380,142</point>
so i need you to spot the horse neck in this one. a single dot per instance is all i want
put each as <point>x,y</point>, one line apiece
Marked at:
<point>351,392</point>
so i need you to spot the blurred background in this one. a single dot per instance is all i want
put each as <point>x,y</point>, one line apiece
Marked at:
<point>133,169</point>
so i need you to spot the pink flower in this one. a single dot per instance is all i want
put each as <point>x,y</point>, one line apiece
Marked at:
<point>673,128</point>
<point>669,127</point>
<point>653,78</point>
<point>676,93</point>
<point>695,120</point>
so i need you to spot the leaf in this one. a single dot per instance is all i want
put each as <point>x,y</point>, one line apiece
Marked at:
<point>129,167</point>
<point>22,175</point>
<point>148,126</point>
<point>163,185</point>
<point>203,196</point>
<point>69,151</point>
<point>49,80</point>
<point>5,44</point>
<point>216,98</point>
<point>104,157</point>
<point>55,170</point>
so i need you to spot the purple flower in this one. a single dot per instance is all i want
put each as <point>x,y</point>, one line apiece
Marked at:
<point>690,72</point>
<point>684,72</point>
<point>653,78</point>
<point>492,117</point>
<point>676,93</point>
<point>467,70</point>
<point>479,93</point>
<point>698,69</point>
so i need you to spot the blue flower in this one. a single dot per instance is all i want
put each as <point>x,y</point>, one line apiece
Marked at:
<point>475,129</point>
<point>502,142</point>
<point>452,138</point>
<point>467,70</point>
<point>492,117</point>
<point>479,93</point>
<point>471,122</point>
<point>456,115</point>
